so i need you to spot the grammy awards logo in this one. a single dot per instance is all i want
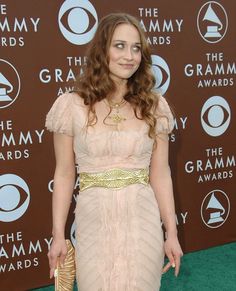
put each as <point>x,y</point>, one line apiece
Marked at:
<point>215,209</point>
<point>212,22</point>
<point>77,20</point>
<point>9,83</point>
<point>161,73</point>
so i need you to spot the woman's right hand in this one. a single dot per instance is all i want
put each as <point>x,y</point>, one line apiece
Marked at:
<point>57,251</point>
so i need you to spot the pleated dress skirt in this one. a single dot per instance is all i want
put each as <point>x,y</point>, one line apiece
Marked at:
<point>119,239</point>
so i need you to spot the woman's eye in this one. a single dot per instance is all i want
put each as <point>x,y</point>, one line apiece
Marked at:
<point>136,48</point>
<point>119,45</point>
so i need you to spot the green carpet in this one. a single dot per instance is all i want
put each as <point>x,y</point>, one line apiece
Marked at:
<point>213,269</point>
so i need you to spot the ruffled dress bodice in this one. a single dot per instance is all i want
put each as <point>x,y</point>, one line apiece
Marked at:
<point>100,147</point>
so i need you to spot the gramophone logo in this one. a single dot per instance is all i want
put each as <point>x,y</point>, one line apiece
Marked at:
<point>78,21</point>
<point>9,83</point>
<point>212,22</point>
<point>215,116</point>
<point>215,208</point>
<point>161,72</point>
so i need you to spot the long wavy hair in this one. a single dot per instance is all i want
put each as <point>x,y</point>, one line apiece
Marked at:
<point>95,83</point>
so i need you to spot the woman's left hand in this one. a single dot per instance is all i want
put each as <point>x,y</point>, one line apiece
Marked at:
<point>174,253</point>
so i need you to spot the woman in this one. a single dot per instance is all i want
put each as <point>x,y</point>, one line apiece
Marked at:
<point>117,127</point>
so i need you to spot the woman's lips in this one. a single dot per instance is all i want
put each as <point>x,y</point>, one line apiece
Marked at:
<point>127,66</point>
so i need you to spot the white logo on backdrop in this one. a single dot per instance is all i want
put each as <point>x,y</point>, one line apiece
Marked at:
<point>10,197</point>
<point>161,72</point>
<point>212,22</point>
<point>9,83</point>
<point>72,233</point>
<point>215,116</point>
<point>215,208</point>
<point>78,21</point>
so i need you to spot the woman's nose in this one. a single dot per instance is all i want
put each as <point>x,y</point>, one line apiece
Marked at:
<point>129,54</point>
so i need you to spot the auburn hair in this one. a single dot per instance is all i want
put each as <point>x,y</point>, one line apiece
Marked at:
<point>95,84</point>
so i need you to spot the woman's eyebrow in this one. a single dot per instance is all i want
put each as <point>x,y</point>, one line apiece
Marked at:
<point>124,41</point>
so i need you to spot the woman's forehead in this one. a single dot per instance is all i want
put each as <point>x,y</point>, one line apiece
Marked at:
<point>126,32</point>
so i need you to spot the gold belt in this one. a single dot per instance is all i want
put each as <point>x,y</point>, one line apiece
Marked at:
<point>115,178</point>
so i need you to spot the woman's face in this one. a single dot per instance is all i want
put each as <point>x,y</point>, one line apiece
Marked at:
<point>124,52</point>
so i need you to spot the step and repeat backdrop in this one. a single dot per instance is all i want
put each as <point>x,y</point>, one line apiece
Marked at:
<point>42,45</point>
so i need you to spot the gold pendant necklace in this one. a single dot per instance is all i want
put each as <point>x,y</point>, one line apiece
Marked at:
<point>116,117</point>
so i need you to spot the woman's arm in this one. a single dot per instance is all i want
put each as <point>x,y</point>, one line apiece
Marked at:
<point>161,182</point>
<point>64,179</point>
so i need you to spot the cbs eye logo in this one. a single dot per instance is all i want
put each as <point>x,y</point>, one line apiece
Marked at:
<point>161,73</point>
<point>14,197</point>
<point>77,21</point>
<point>215,116</point>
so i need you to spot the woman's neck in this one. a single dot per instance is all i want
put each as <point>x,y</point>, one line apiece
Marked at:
<point>118,95</point>
<point>120,90</point>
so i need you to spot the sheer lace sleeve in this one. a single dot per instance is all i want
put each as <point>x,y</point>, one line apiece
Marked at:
<point>59,118</point>
<point>165,119</point>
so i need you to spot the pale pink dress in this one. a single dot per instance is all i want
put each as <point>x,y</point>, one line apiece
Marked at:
<point>118,231</point>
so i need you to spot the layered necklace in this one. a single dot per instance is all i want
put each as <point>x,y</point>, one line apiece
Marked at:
<point>116,117</point>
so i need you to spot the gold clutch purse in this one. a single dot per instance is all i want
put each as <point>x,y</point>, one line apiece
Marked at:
<point>65,276</point>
